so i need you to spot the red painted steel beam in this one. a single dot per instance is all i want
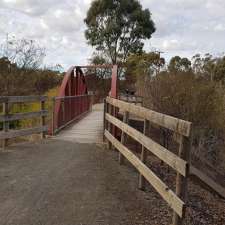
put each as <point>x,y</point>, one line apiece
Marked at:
<point>113,92</point>
<point>74,84</point>
<point>104,66</point>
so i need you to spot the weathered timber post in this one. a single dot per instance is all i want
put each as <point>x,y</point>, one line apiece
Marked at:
<point>5,123</point>
<point>123,136</point>
<point>141,184</point>
<point>104,120</point>
<point>108,125</point>
<point>181,181</point>
<point>112,127</point>
<point>43,117</point>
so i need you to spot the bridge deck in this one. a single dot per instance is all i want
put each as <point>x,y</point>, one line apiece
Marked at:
<point>62,183</point>
<point>87,130</point>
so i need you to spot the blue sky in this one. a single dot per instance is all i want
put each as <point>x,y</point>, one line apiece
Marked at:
<point>184,27</point>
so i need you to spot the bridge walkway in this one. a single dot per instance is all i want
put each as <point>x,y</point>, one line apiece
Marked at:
<point>86,130</point>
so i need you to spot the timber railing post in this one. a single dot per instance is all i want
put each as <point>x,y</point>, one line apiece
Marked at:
<point>43,122</point>
<point>9,116</point>
<point>123,136</point>
<point>180,163</point>
<point>113,113</point>
<point>181,181</point>
<point>141,184</point>
<point>104,120</point>
<point>5,123</point>
<point>109,126</point>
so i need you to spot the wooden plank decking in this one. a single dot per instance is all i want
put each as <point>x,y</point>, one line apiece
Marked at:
<point>87,130</point>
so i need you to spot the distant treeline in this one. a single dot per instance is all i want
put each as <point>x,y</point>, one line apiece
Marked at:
<point>26,81</point>
<point>192,90</point>
<point>22,71</point>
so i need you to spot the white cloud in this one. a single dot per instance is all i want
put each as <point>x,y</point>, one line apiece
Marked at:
<point>184,27</point>
<point>43,24</point>
<point>10,1</point>
<point>170,44</point>
<point>220,27</point>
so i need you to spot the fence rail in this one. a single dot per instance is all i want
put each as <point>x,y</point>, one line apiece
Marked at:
<point>7,117</point>
<point>22,99</point>
<point>180,162</point>
<point>68,109</point>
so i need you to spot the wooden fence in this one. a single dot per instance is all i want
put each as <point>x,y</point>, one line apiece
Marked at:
<point>6,117</point>
<point>180,162</point>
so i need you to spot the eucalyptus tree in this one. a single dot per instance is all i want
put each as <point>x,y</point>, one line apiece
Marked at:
<point>118,27</point>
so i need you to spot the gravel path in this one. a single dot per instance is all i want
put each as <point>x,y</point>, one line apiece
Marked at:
<point>56,182</point>
<point>62,183</point>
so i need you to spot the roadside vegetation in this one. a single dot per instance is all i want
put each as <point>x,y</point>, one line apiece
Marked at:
<point>192,90</point>
<point>22,73</point>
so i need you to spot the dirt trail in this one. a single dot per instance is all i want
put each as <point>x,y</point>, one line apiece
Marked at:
<point>56,182</point>
<point>62,183</point>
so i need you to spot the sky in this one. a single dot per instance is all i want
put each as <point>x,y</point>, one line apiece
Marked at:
<point>184,27</point>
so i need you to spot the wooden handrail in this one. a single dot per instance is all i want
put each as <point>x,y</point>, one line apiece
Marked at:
<point>22,132</point>
<point>8,117</point>
<point>162,153</point>
<point>21,116</point>
<point>179,162</point>
<point>170,197</point>
<point>18,99</point>
<point>177,125</point>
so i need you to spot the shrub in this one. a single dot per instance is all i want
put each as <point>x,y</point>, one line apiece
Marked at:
<point>185,96</point>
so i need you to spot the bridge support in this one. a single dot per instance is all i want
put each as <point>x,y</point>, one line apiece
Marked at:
<point>74,85</point>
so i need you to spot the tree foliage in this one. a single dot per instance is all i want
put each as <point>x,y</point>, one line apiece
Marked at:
<point>178,64</point>
<point>145,63</point>
<point>26,54</point>
<point>20,69</point>
<point>99,79</point>
<point>118,27</point>
<point>189,90</point>
<point>209,67</point>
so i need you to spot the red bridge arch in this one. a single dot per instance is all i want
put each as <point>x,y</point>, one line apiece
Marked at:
<point>73,99</point>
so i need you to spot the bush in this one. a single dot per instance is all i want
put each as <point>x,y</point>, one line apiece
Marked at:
<point>185,96</point>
